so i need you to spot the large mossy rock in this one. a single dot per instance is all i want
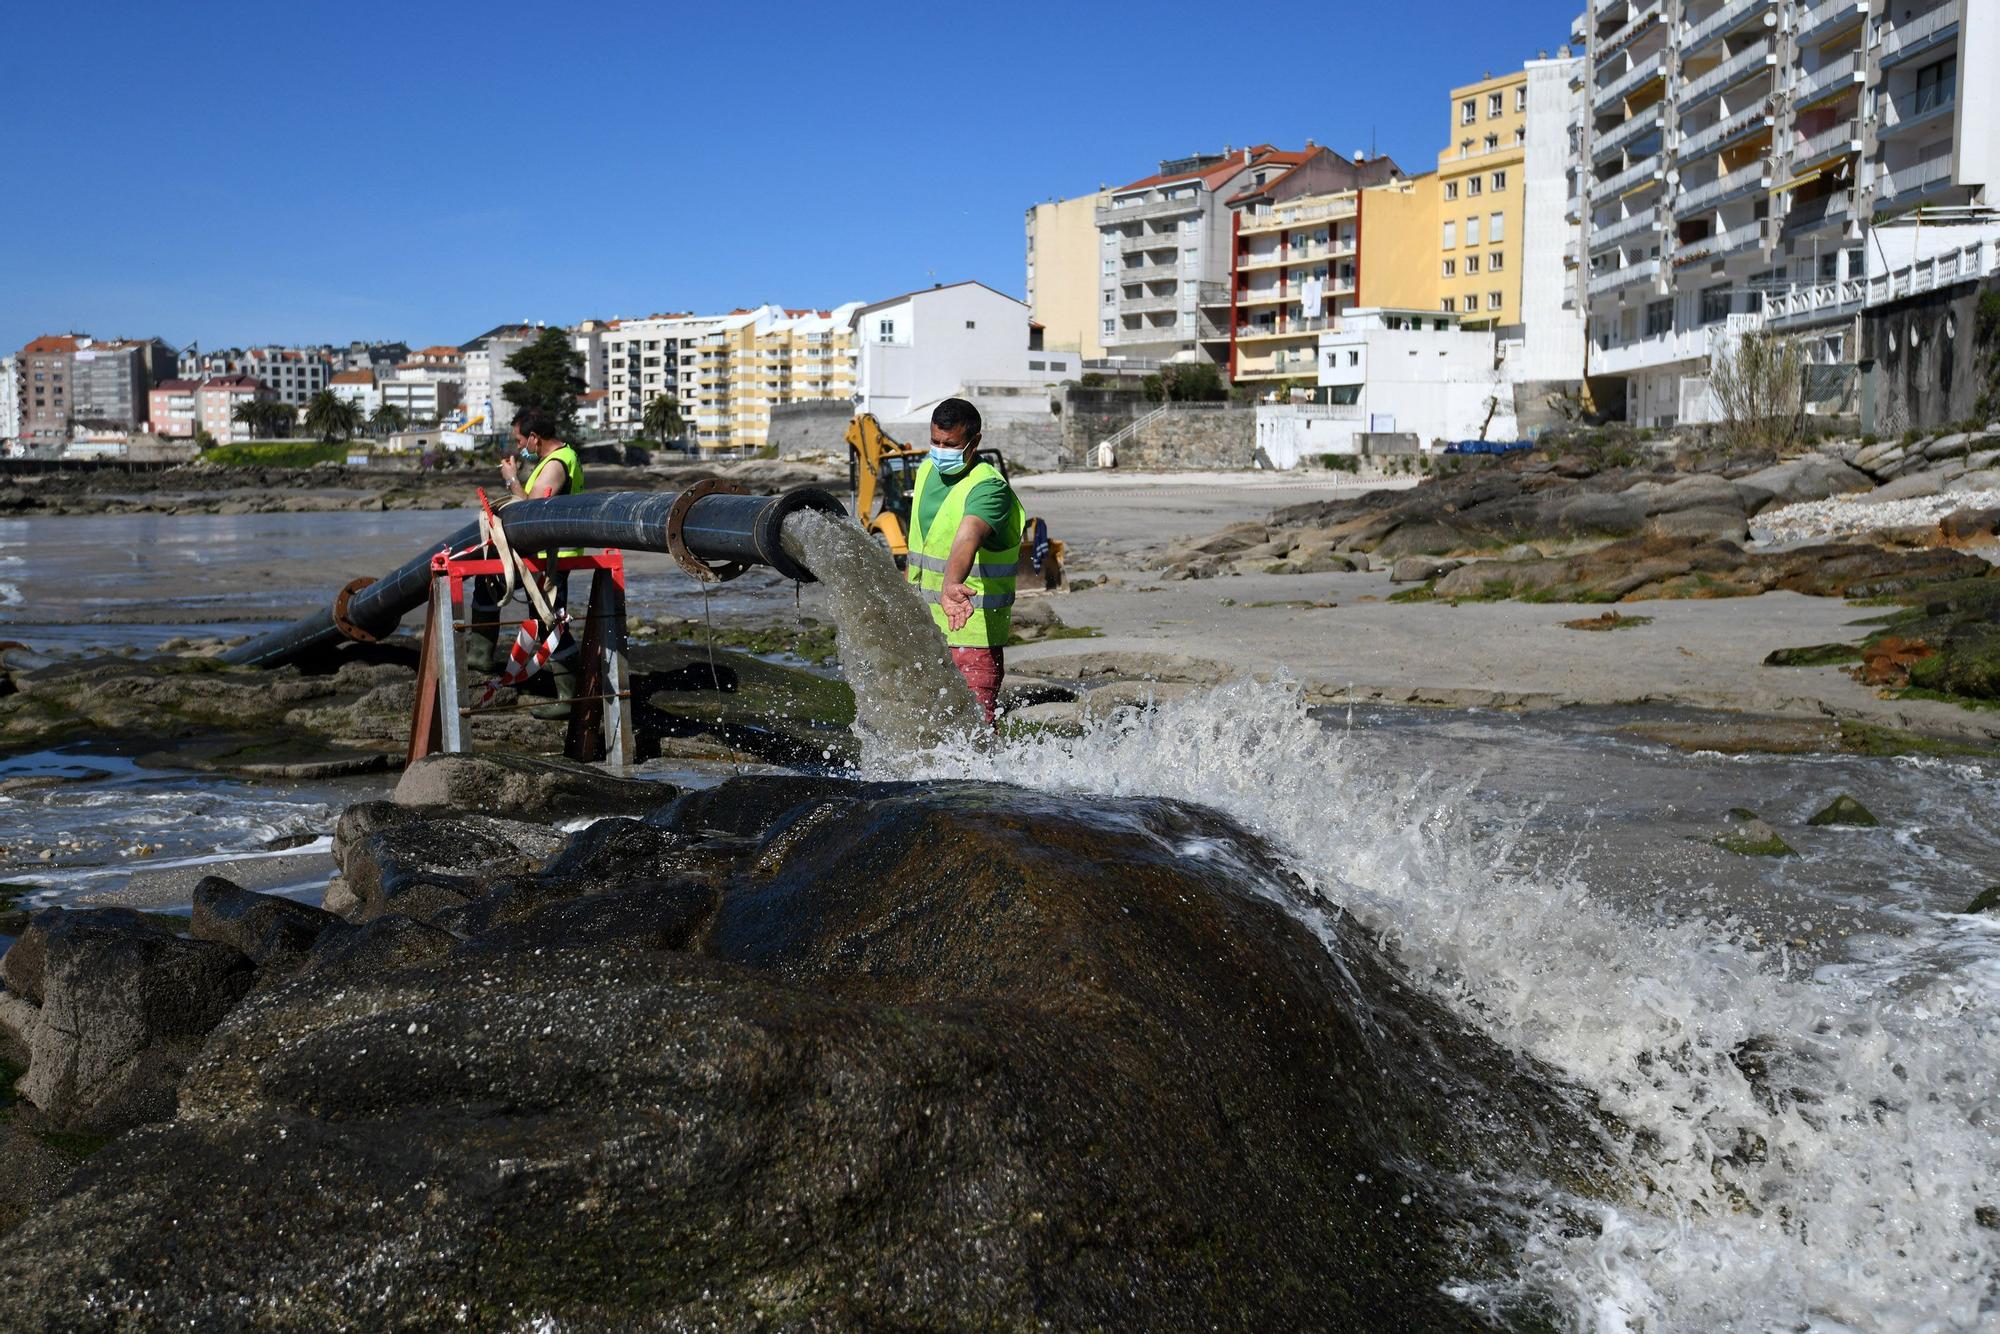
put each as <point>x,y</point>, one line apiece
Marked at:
<point>924,1056</point>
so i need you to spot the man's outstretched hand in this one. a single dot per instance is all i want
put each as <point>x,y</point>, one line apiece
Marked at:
<point>956,599</point>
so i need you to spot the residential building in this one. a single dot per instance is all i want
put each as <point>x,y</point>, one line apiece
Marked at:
<point>924,346</point>
<point>646,359</point>
<point>1164,255</point>
<point>1480,191</point>
<point>45,390</point>
<point>217,399</point>
<point>590,406</point>
<point>1064,272</point>
<point>357,387</point>
<point>421,397</point>
<point>10,398</point>
<point>751,361</point>
<point>174,409</point>
<point>586,339</point>
<point>1551,312</point>
<point>1295,239</point>
<point>1413,372</point>
<point>109,380</point>
<point>360,356</point>
<point>295,374</point>
<point>439,362</point>
<point>487,374</point>
<point>1735,152</point>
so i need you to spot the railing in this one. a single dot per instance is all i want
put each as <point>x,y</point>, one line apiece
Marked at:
<point>1295,255</point>
<point>1625,277</point>
<point>1263,296</point>
<point>1816,212</point>
<point>1909,36</point>
<point>1159,208</point>
<point>1826,141</point>
<point>1703,142</point>
<point>1849,68</point>
<point>1917,176</point>
<point>1649,68</point>
<point>1819,16</point>
<point>1723,20</point>
<point>1812,302</point>
<point>1297,215</point>
<point>1328,412</point>
<point>1619,36</point>
<point>1719,245</point>
<point>1212,294</point>
<point>1149,305</point>
<point>1305,324</point>
<point>1709,193</point>
<point>1630,130</point>
<point>1807,305</point>
<point>1727,73</point>
<point>1132,245</point>
<point>1614,234</point>
<point>1617,185</point>
<point>1138,424</point>
<point>1148,273</point>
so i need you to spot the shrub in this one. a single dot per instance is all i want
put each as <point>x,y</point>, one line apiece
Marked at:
<point>1760,384</point>
<point>277,454</point>
<point>1340,462</point>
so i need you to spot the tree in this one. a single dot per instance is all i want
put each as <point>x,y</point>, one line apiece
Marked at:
<point>1759,383</point>
<point>548,369</point>
<point>389,419</point>
<point>663,419</point>
<point>266,419</point>
<point>1193,382</point>
<point>331,417</point>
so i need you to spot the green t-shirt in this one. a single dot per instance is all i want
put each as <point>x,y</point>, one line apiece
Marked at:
<point>991,500</point>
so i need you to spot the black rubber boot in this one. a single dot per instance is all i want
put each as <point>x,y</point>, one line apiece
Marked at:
<point>562,671</point>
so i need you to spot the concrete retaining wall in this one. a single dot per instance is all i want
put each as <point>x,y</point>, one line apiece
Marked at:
<point>816,427</point>
<point>1929,368</point>
<point>1197,438</point>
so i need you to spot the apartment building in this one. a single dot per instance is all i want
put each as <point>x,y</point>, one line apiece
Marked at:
<point>1164,255</point>
<point>295,374</point>
<point>421,397</point>
<point>358,387</point>
<point>487,374</point>
<point>751,361</point>
<point>10,398</point>
<point>931,344</point>
<point>1480,191</point>
<point>646,359</point>
<point>179,408</point>
<point>586,339</point>
<point>1734,152</point>
<point>1064,271</point>
<point>1295,242</point>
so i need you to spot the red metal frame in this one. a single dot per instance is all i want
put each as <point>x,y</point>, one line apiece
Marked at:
<point>461,568</point>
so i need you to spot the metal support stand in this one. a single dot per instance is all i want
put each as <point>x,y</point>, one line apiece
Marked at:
<point>601,708</point>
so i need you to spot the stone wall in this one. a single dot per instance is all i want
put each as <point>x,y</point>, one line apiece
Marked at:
<point>1090,415</point>
<point>1194,438</point>
<point>1929,369</point>
<point>816,427</point>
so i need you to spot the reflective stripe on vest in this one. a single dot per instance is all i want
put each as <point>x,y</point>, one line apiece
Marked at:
<point>990,581</point>
<point>572,468</point>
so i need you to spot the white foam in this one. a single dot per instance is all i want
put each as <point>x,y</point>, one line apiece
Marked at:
<point>1871,1145</point>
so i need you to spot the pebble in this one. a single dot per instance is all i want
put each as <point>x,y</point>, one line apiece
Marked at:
<point>1840,515</point>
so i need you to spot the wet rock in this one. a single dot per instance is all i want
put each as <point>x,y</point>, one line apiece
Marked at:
<point>1845,810</point>
<point>1813,477</point>
<point>1747,835</point>
<point>125,1006</point>
<point>525,786</point>
<point>375,948</point>
<point>18,1017</point>
<point>21,967</point>
<point>276,934</point>
<point>951,1056</point>
<point>421,868</point>
<point>1703,524</point>
<point>1969,525</point>
<point>1421,569</point>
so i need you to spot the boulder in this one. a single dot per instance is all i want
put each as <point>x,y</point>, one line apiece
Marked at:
<point>21,967</point>
<point>1987,900</point>
<point>125,1006</point>
<point>421,868</point>
<point>276,934</point>
<point>1746,835</point>
<point>525,787</point>
<point>1845,810</point>
<point>1420,569</point>
<point>1969,525</point>
<point>1703,524</point>
<point>1909,486</point>
<point>945,1055</point>
<point>1813,477</point>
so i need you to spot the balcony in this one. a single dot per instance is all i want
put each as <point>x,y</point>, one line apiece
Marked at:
<point>1296,215</point>
<point>1831,80</point>
<point>1309,254</point>
<point>1733,15</point>
<point>1661,349</point>
<point>1905,184</point>
<point>1810,215</point>
<point>1720,246</point>
<point>1914,110</point>
<point>1264,296</point>
<point>1646,120</point>
<point>1637,176</point>
<point>1619,232</point>
<point>1729,73</point>
<point>1822,18</point>
<point>1212,294</point>
<point>1922,34</point>
<point>1715,193</point>
<point>1149,305</point>
<point>1146,273</point>
<point>1159,208</point>
<point>1720,135</point>
<point>1645,270</point>
<point>1640,15</point>
<point>1637,76</point>
<point>1135,245</point>
<point>1841,139</point>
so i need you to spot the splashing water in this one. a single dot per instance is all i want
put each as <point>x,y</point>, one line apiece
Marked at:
<point>1799,1151</point>
<point>907,695</point>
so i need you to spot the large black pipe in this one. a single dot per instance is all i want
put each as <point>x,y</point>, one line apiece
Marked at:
<point>717,527</point>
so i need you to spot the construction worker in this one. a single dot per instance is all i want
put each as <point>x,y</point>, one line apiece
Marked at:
<point>965,548</point>
<point>557,472</point>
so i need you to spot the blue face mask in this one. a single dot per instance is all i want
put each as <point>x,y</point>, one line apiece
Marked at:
<point>947,460</point>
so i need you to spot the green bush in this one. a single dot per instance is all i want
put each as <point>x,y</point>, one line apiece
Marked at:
<point>277,454</point>
<point>1340,462</point>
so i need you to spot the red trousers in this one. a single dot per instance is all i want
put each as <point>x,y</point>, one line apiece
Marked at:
<point>982,669</point>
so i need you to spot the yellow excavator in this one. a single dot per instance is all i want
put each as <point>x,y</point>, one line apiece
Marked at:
<point>882,475</point>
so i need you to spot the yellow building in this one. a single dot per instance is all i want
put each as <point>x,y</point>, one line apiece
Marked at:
<point>1400,230</point>
<point>1480,190</point>
<point>751,361</point>
<point>1064,273</point>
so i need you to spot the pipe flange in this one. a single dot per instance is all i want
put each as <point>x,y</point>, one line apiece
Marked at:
<point>722,571</point>
<point>340,618</point>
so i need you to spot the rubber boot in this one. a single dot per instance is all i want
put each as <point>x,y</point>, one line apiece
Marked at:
<point>562,672</point>
<point>481,650</point>
<point>482,642</point>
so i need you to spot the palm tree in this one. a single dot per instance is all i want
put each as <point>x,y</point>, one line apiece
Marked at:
<point>267,420</point>
<point>389,419</point>
<point>662,421</point>
<point>331,417</point>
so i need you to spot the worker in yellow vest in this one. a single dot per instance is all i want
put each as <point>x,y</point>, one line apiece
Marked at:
<point>557,472</point>
<point>965,549</point>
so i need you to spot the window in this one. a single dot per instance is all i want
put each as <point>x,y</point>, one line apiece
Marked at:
<point>1499,181</point>
<point>1472,264</point>
<point>1468,111</point>
<point>1521,98</point>
<point>1715,304</point>
<point>1450,235</point>
<point>1451,268</point>
<point>1471,302</point>
<point>885,329</point>
<point>1492,142</point>
<point>1451,189</point>
<point>1496,227</point>
<point>1354,358</point>
<point>1450,305</point>
<point>1038,365</point>
<point>1494,104</point>
<point>1659,318</point>
<point>1472,231</point>
<point>1496,261</point>
<point>1111,326</point>
<point>1493,301</point>
<point>1520,134</point>
<point>1936,85</point>
<point>1474,185</point>
<point>969,324</point>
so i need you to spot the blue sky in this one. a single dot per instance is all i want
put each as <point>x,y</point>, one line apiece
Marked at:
<point>315,172</point>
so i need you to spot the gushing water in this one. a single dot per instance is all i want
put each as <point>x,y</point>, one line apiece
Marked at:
<point>907,694</point>
<point>1802,1150</point>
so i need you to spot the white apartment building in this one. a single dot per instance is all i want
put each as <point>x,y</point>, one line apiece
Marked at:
<point>421,397</point>
<point>294,374</point>
<point>924,346</point>
<point>1552,312</point>
<point>10,399</point>
<point>487,375</point>
<point>359,388</point>
<point>1735,158</point>
<point>646,359</point>
<point>1412,372</point>
<point>586,339</point>
<point>1164,255</point>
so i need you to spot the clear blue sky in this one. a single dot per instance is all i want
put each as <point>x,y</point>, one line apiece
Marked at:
<point>315,172</point>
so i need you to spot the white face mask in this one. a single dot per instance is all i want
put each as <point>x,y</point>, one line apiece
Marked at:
<point>947,460</point>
